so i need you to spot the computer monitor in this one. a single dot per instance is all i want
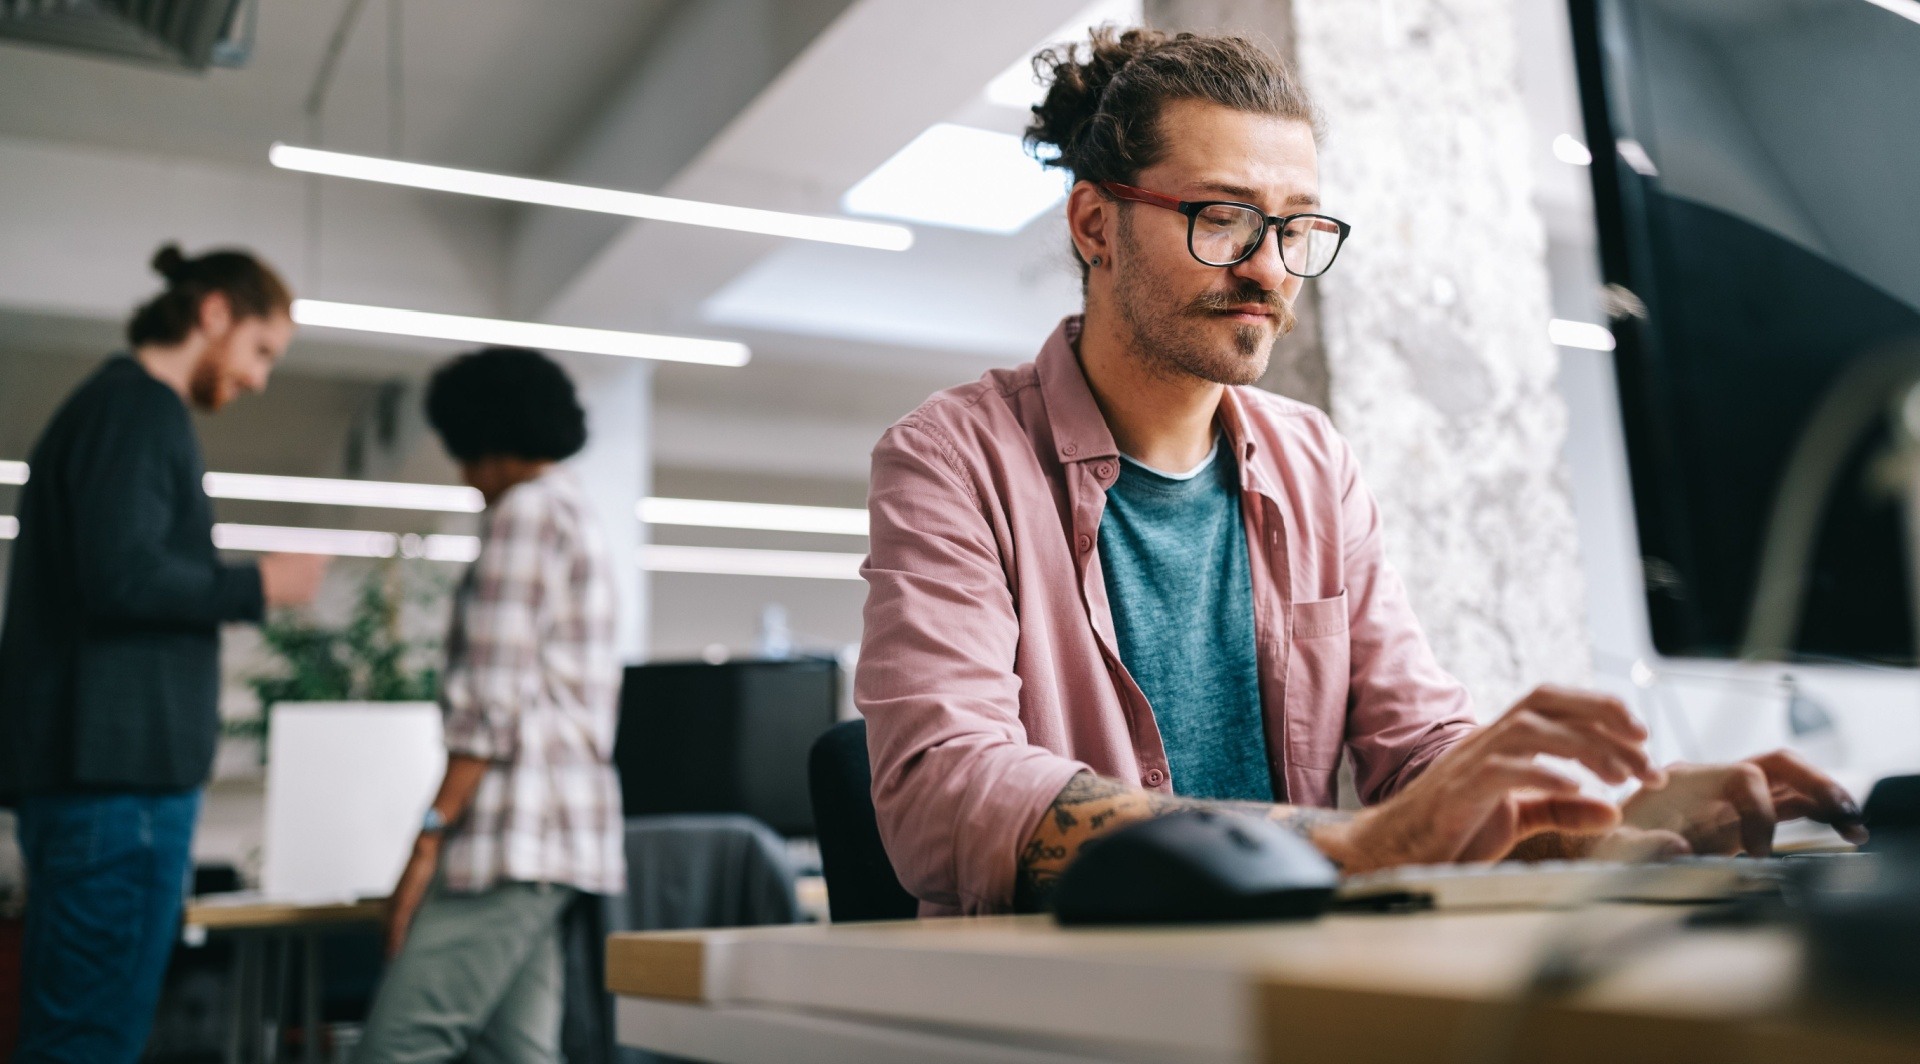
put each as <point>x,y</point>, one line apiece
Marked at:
<point>728,738</point>
<point>1756,170</point>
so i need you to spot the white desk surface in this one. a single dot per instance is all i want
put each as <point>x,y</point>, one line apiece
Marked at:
<point>1434,986</point>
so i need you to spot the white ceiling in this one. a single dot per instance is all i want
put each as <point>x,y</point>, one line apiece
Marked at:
<point>774,103</point>
<point>491,84</point>
<point>760,102</point>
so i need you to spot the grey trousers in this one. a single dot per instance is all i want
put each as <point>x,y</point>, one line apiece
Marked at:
<point>479,979</point>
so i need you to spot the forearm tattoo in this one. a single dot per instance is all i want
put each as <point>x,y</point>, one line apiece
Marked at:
<point>1090,805</point>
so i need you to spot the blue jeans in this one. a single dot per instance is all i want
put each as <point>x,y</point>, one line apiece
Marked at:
<point>106,875</point>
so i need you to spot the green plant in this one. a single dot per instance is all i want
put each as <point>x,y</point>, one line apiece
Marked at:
<point>369,659</point>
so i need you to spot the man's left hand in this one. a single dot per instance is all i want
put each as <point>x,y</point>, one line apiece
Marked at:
<point>1721,809</point>
<point>411,891</point>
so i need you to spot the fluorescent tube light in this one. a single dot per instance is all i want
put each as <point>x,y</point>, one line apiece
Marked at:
<point>448,498</point>
<point>9,527</point>
<point>468,330</point>
<point>772,517</point>
<point>1569,150</point>
<point>1583,334</point>
<point>850,231</point>
<point>345,543</point>
<point>655,557</point>
<point>962,178</point>
<point>445,498</point>
<point>736,561</point>
<point>439,548</point>
<point>339,542</point>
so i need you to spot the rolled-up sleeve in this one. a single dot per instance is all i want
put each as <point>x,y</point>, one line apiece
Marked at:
<point>496,670</point>
<point>1404,709</point>
<point>957,787</point>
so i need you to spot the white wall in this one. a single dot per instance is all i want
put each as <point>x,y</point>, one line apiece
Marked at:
<point>81,224</point>
<point>694,613</point>
<point>616,468</point>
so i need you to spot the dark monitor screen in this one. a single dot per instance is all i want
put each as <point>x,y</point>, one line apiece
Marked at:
<point>1756,169</point>
<point>726,738</point>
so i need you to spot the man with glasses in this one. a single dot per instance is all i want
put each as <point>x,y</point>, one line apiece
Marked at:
<point>1118,580</point>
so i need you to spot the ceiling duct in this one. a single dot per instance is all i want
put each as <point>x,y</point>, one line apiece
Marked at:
<point>188,34</point>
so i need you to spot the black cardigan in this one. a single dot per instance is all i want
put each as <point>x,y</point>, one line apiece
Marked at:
<point>110,651</point>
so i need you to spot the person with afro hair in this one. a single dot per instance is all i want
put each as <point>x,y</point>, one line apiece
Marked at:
<point>528,814</point>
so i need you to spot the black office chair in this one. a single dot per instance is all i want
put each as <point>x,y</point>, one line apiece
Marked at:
<point>860,880</point>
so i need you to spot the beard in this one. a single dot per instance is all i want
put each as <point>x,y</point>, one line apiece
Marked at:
<point>1177,340</point>
<point>207,385</point>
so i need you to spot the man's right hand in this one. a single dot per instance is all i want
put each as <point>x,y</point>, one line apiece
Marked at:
<point>291,579</point>
<point>1486,793</point>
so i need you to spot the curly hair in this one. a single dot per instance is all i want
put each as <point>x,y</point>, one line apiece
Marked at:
<point>507,402</point>
<point>251,287</point>
<point>1100,120</point>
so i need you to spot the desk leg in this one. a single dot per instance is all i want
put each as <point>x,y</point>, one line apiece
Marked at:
<point>244,1038</point>
<point>257,999</point>
<point>236,1006</point>
<point>277,1034</point>
<point>310,1003</point>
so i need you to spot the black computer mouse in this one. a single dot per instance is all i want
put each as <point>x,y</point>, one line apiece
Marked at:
<point>1892,815</point>
<point>1195,866</point>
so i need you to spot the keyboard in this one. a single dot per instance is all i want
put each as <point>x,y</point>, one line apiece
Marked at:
<point>1560,884</point>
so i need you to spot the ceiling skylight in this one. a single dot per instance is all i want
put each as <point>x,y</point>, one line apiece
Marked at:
<point>1014,87</point>
<point>962,178</point>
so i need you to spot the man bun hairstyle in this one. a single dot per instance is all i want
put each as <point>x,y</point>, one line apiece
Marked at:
<point>506,402</point>
<point>1100,120</point>
<point>251,287</point>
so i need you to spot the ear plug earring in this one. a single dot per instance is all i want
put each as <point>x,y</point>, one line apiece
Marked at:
<point>1096,260</point>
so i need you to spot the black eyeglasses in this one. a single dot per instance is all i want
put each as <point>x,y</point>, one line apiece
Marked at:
<point>1227,233</point>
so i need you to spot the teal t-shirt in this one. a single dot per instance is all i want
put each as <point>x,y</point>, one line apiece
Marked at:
<point>1174,553</point>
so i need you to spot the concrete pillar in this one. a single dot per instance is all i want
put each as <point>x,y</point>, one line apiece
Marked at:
<point>616,468</point>
<point>1432,325</point>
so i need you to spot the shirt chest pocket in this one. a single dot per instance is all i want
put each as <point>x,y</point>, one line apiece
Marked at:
<point>1317,676</point>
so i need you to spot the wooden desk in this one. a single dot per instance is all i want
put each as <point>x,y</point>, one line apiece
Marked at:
<point>265,929</point>
<point>253,913</point>
<point>1347,988</point>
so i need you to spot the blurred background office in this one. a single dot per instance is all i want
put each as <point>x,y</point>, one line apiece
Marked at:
<point>1463,345</point>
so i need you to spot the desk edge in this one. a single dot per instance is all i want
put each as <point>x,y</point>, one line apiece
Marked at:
<point>666,967</point>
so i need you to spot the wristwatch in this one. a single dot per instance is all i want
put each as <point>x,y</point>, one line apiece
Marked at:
<point>432,823</point>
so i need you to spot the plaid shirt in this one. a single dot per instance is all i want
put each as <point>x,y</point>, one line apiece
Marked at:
<point>532,686</point>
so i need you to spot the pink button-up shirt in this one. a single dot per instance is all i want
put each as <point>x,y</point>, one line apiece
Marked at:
<point>990,674</point>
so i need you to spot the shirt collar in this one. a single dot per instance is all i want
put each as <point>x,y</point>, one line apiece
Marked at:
<point>1079,429</point>
<point>1233,423</point>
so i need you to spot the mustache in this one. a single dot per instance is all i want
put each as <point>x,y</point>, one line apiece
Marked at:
<point>1246,295</point>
